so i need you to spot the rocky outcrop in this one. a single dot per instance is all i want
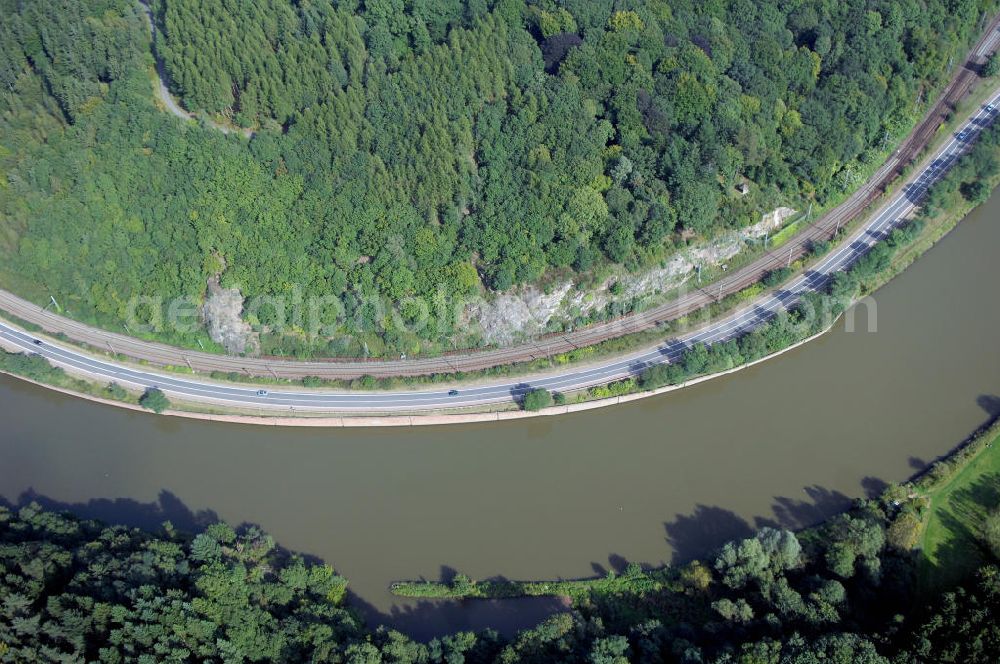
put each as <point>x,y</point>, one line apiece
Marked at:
<point>222,313</point>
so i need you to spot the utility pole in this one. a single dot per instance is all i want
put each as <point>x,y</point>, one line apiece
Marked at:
<point>126,329</point>
<point>699,273</point>
<point>789,258</point>
<point>188,362</point>
<point>201,345</point>
<point>112,348</point>
<point>52,302</point>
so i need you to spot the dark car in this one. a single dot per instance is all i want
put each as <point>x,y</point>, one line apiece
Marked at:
<point>37,342</point>
<point>452,393</point>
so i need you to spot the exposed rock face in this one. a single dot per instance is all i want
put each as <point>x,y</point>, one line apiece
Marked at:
<point>769,222</point>
<point>222,315</point>
<point>527,312</point>
<point>516,314</point>
<point>681,267</point>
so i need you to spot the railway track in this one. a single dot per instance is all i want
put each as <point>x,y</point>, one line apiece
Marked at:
<point>824,228</point>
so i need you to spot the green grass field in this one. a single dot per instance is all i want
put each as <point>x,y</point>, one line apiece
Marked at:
<point>787,233</point>
<point>951,542</point>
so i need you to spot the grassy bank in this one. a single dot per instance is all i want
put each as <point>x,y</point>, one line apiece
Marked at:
<point>633,580</point>
<point>936,518</point>
<point>37,369</point>
<point>955,499</point>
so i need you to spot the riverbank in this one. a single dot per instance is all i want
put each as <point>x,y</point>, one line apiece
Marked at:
<point>319,420</point>
<point>951,502</point>
<point>934,514</point>
<point>570,342</point>
<point>836,591</point>
<point>903,252</point>
<point>769,324</point>
<point>789,441</point>
<point>874,269</point>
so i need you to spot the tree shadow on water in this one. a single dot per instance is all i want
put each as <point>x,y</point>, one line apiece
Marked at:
<point>127,511</point>
<point>704,530</point>
<point>820,503</point>
<point>874,486</point>
<point>990,403</point>
<point>616,563</point>
<point>420,619</point>
<point>707,528</point>
<point>423,619</point>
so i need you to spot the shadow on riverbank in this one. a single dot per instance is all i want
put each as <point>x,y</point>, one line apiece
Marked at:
<point>126,511</point>
<point>692,535</point>
<point>426,619</point>
<point>421,620</point>
<point>707,528</point>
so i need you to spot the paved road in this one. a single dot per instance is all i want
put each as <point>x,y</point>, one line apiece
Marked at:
<point>548,345</point>
<point>857,244</point>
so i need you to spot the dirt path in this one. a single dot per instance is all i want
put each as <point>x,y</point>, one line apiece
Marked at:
<point>163,90</point>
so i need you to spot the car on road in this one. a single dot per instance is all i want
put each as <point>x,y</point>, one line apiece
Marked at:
<point>262,393</point>
<point>37,342</point>
<point>452,393</point>
<point>964,134</point>
<point>991,107</point>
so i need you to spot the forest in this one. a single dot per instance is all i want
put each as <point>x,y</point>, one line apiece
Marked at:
<point>422,152</point>
<point>851,590</point>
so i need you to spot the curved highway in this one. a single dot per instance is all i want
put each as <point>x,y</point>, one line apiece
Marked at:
<point>549,345</point>
<point>843,256</point>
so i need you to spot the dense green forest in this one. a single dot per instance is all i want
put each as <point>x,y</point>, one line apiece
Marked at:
<point>844,592</point>
<point>424,151</point>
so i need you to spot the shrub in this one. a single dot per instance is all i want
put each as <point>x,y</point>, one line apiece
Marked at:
<point>615,389</point>
<point>975,192</point>
<point>992,66</point>
<point>991,532</point>
<point>154,400</point>
<point>116,392</point>
<point>776,277</point>
<point>655,376</point>
<point>819,247</point>
<point>904,533</point>
<point>31,366</point>
<point>537,399</point>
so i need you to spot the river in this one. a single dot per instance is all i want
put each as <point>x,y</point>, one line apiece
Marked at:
<point>667,478</point>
